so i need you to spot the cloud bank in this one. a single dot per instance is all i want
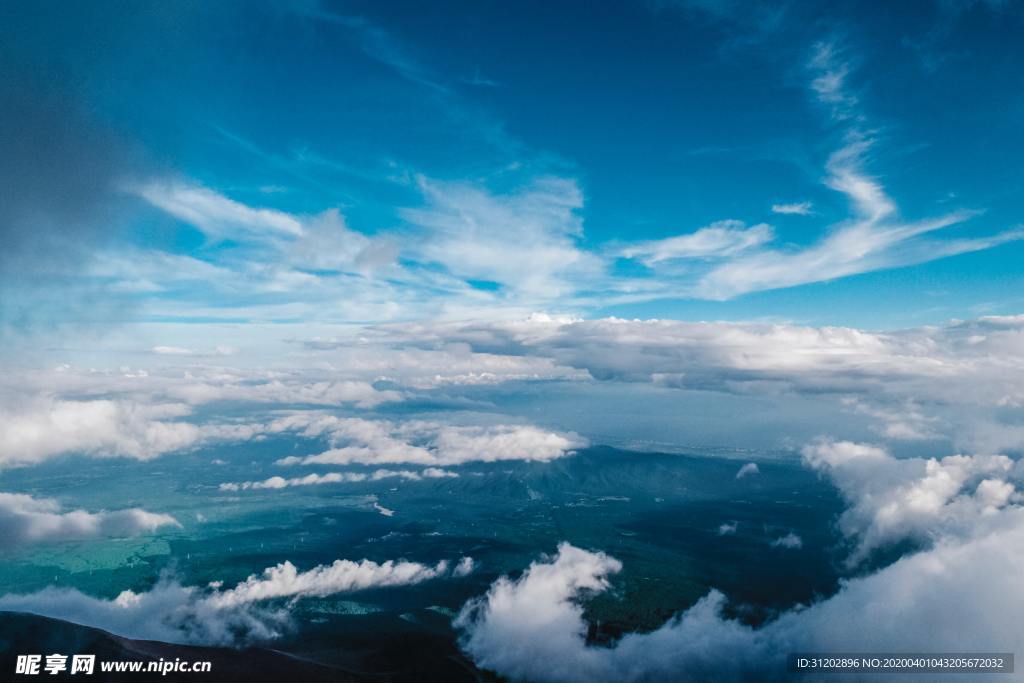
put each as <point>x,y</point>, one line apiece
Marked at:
<point>917,499</point>
<point>26,520</point>
<point>961,595</point>
<point>376,442</point>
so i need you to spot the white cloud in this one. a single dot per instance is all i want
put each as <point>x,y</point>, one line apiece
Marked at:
<point>718,240</point>
<point>182,351</point>
<point>829,82</point>
<point>465,567</point>
<point>26,520</point>
<point>790,542</point>
<point>747,470</point>
<point>174,613</point>
<point>342,576</point>
<point>917,499</point>
<point>874,238</point>
<point>308,480</point>
<point>172,351</point>
<point>727,528</point>
<point>528,629</point>
<point>438,473</point>
<point>468,248</point>
<point>899,423</point>
<point>327,243</point>
<point>40,429</point>
<point>524,240</point>
<point>377,442</point>
<point>935,382</point>
<point>337,478</point>
<point>959,596</point>
<point>795,208</point>
<point>198,385</point>
<point>946,382</point>
<point>214,213</point>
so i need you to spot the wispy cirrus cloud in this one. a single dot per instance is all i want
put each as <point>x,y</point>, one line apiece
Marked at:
<point>526,240</point>
<point>718,240</point>
<point>217,215</point>
<point>875,237</point>
<point>471,251</point>
<point>794,208</point>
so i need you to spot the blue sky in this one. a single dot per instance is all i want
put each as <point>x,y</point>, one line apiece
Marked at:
<point>434,235</point>
<point>334,163</point>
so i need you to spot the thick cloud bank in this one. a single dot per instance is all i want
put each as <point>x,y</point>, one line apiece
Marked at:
<point>141,429</point>
<point>175,613</point>
<point>922,383</point>
<point>958,596</point>
<point>959,382</point>
<point>916,499</point>
<point>25,520</point>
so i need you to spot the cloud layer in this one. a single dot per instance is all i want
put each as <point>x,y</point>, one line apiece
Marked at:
<point>174,613</point>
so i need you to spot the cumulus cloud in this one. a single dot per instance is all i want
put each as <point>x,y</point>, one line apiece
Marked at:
<point>281,482</point>
<point>465,567</point>
<point>40,429</point>
<point>342,576</point>
<point>387,512</point>
<point>175,613</point>
<point>917,499</point>
<point>747,470</point>
<point>790,542</point>
<point>958,596</point>
<point>373,442</point>
<point>537,614</point>
<point>142,414</point>
<point>337,478</point>
<point>727,528</point>
<point>26,520</point>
